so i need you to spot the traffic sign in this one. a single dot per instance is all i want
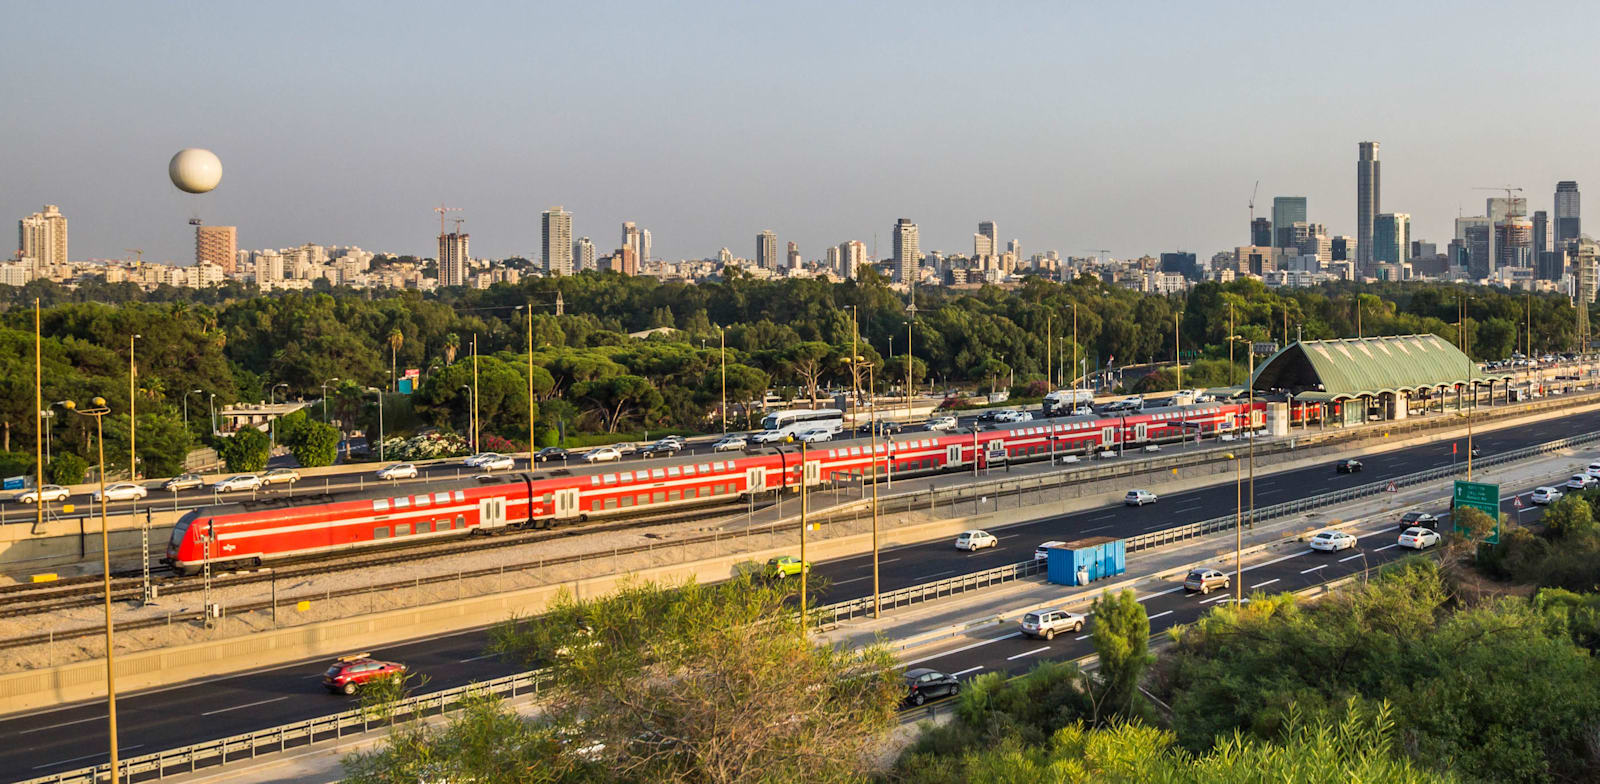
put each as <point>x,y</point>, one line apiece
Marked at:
<point>1392,488</point>
<point>1517,502</point>
<point>1481,496</point>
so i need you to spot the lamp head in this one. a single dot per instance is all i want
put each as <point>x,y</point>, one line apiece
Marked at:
<point>99,402</point>
<point>68,405</point>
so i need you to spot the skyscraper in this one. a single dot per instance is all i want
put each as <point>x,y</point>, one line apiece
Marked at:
<point>1513,242</point>
<point>556,246</point>
<point>218,245</point>
<point>631,238</point>
<point>793,257</point>
<point>1286,211</point>
<point>907,256</point>
<point>1541,233</point>
<point>767,250</point>
<point>644,247</point>
<point>1261,232</point>
<point>42,237</point>
<point>852,255</point>
<point>453,259</point>
<point>583,254</point>
<point>987,241</point>
<point>1369,193</point>
<point>1391,238</point>
<point>1568,226</point>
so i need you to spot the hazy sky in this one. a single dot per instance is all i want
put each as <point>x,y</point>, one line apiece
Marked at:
<point>1136,127</point>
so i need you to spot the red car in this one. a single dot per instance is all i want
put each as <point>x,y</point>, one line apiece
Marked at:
<point>349,673</point>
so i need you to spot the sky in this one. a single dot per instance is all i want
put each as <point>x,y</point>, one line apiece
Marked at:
<point>1131,127</point>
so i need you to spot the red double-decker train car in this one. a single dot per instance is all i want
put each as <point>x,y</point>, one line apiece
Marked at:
<point>252,534</point>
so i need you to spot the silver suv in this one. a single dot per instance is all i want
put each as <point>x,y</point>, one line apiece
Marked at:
<point>1049,623</point>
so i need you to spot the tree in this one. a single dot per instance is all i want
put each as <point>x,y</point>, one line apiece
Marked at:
<point>703,683</point>
<point>315,444</point>
<point>1473,527</point>
<point>66,468</point>
<point>245,450</point>
<point>396,340</point>
<point>809,361</point>
<point>617,396</point>
<point>1122,639</point>
<point>1570,517</point>
<point>452,344</point>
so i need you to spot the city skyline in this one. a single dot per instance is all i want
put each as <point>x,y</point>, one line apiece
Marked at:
<point>1136,158</point>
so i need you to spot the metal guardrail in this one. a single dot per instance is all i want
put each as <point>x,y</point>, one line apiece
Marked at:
<point>185,759</point>
<point>221,751</point>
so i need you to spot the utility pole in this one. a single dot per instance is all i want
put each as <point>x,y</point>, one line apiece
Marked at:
<point>475,448</point>
<point>1177,352</point>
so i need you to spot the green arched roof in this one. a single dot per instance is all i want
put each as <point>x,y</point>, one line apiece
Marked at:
<point>1315,370</point>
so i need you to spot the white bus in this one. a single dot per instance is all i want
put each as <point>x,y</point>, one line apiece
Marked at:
<point>785,425</point>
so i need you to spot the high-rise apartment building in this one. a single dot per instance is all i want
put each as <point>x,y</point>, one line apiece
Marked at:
<point>583,254</point>
<point>1568,226</point>
<point>1368,200</point>
<point>644,247</point>
<point>453,259</point>
<point>218,245</point>
<point>1586,268</point>
<point>1287,211</point>
<point>1541,233</point>
<point>556,244</point>
<point>767,250</point>
<point>1391,238</point>
<point>1261,232</point>
<point>724,257</point>
<point>42,237</point>
<point>793,257</point>
<point>1513,242</point>
<point>990,239</point>
<point>852,255</point>
<point>907,256</point>
<point>631,238</point>
<point>624,261</point>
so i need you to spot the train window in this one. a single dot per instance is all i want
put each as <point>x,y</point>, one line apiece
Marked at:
<point>381,532</point>
<point>594,480</point>
<point>673,471</point>
<point>546,498</point>
<point>461,521</point>
<point>658,497</point>
<point>627,476</point>
<point>674,496</point>
<point>380,505</point>
<point>402,502</point>
<point>704,468</point>
<point>718,466</point>
<point>611,503</point>
<point>688,470</point>
<point>458,496</point>
<point>855,451</point>
<point>611,479</point>
<point>644,498</point>
<point>627,501</point>
<point>658,474</point>
<point>441,498</point>
<point>402,529</point>
<point>422,500</point>
<point>718,490</point>
<point>424,527</point>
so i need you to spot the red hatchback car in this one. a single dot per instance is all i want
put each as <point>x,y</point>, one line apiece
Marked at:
<point>349,673</point>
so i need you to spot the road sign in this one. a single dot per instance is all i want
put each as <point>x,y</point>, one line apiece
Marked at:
<point>1517,502</point>
<point>1481,496</point>
<point>1392,488</point>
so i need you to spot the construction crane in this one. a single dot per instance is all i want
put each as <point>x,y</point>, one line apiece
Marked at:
<point>441,209</point>
<point>1511,202</point>
<point>1253,211</point>
<point>194,221</point>
<point>1099,253</point>
<point>138,255</point>
<point>458,222</point>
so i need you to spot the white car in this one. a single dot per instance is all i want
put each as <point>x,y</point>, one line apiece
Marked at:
<point>768,437</point>
<point>1332,541</point>
<point>477,460</point>
<point>1049,623</point>
<point>238,482</point>
<point>48,493</point>
<point>976,540</point>
<point>815,435</point>
<point>1013,416</point>
<point>1593,470</point>
<point>398,471</point>
<point>1152,448</point>
<point>604,454</point>
<point>498,463</point>
<point>280,475</point>
<point>1083,411</point>
<point>1545,495</point>
<point>1580,482</point>
<point>730,444</point>
<point>1139,498</point>
<point>944,423</point>
<point>1419,538</point>
<point>123,491</point>
<point>1042,552</point>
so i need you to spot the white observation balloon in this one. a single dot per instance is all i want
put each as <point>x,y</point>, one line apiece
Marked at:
<point>195,170</point>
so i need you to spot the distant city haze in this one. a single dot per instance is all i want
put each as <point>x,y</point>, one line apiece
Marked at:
<point>1075,127</point>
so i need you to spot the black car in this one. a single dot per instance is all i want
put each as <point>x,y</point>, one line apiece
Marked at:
<point>923,684</point>
<point>1348,466</point>
<point>885,428</point>
<point>662,449</point>
<point>549,453</point>
<point>1419,520</point>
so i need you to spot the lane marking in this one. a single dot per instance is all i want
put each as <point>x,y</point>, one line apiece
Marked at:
<point>1387,546</point>
<point>1159,614</point>
<point>1161,593</point>
<point>1029,653</point>
<point>980,644</point>
<point>246,705</point>
<point>1103,517</point>
<point>1218,599</point>
<point>1096,528</point>
<point>1313,569</point>
<point>936,574</point>
<point>1187,508</point>
<point>1350,557</point>
<point>851,580</point>
<point>1084,636</point>
<point>88,756</point>
<point>1269,582</point>
<point>478,658</point>
<point>967,671</point>
<point>66,724</point>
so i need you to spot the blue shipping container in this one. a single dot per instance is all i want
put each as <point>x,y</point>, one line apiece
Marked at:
<point>1098,557</point>
<point>15,483</point>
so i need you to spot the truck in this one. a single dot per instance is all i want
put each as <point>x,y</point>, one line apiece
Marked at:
<point>1063,402</point>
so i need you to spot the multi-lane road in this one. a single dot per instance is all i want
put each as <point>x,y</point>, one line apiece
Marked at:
<point>58,739</point>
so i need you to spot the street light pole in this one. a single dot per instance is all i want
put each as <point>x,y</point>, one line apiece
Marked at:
<point>475,448</point>
<point>804,523</point>
<point>722,348</point>
<point>530,386</point>
<point>272,420</point>
<point>325,398</point>
<point>380,425</point>
<point>877,603</point>
<point>211,405</point>
<point>98,412</point>
<point>38,414</point>
<point>855,377</point>
<point>133,421</point>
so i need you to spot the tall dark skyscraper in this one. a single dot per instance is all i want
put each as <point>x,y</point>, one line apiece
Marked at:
<point>1541,233</point>
<point>1568,226</point>
<point>1261,232</point>
<point>1286,211</point>
<point>1368,201</point>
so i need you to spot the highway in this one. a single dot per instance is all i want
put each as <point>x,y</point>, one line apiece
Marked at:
<point>59,739</point>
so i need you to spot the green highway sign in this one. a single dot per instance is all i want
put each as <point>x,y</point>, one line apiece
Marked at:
<point>1481,496</point>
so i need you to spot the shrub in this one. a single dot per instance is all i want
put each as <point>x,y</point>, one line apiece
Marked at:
<point>66,468</point>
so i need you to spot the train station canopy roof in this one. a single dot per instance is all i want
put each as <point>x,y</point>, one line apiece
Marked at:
<point>1326,370</point>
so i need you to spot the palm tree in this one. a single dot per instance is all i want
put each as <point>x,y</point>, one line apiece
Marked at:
<point>452,344</point>
<point>396,339</point>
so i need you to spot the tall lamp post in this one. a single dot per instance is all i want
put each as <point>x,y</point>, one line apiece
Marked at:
<point>98,411</point>
<point>325,398</point>
<point>530,385</point>
<point>186,405</point>
<point>472,417</point>
<point>133,421</point>
<point>379,392</point>
<point>38,413</point>
<point>272,427</point>
<point>211,405</point>
<point>722,348</point>
<point>855,379</point>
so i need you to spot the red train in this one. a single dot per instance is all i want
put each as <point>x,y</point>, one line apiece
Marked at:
<point>251,536</point>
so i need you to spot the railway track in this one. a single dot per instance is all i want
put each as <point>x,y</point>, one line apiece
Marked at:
<point>25,599</point>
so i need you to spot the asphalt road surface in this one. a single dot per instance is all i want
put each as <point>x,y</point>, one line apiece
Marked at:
<point>59,739</point>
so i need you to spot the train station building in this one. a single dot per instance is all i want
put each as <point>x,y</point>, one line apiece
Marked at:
<point>1353,380</point>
